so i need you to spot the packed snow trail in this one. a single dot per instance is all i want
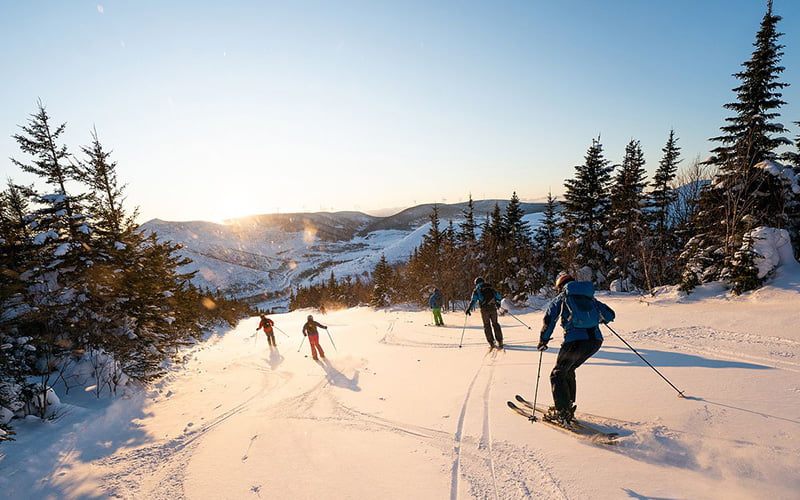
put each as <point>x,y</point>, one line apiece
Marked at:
<point>400,411</point>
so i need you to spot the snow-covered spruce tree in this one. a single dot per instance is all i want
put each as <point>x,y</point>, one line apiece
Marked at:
<point>792,172</point>
<point>586,205</point>
<point>546,244</point>
<point>159,308</point>
<point>627,222</point>
<point>662,245</point>
<point>744,195</point>
<point>61,232</point>
<point>17,359</point>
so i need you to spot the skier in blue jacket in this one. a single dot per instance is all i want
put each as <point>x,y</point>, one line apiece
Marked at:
<point>580,315</point>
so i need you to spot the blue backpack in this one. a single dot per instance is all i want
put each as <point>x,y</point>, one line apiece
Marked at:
<point>580,304</point>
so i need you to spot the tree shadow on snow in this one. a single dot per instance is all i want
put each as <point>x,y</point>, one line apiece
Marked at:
<point>85,442</point>
<point>657,358</point>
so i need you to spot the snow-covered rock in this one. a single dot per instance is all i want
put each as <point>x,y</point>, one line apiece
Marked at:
<point>774,248</point>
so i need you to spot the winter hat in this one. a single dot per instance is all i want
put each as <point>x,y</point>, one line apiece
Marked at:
<point>562,280</point>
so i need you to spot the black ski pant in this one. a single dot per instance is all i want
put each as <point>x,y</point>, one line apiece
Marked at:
<point>562,378</point>
<point>489,317</point>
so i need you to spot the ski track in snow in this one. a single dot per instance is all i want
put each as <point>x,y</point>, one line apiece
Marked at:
<point>158,471</point>
<point>520,473</point>
<point>476,464</point>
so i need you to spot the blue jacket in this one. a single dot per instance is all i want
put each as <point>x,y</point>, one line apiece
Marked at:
<point>556,310</point>
<point>477,297</point>
<point>436,301</point>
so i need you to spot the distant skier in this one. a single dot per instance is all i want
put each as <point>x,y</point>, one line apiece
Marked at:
<point>266,324</point>
<point>580,314</point>
<point>436,301</point>
<point>489,301</point>
<point>310,331</point>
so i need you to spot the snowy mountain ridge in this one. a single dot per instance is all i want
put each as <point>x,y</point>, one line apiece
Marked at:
<point>249,256</point>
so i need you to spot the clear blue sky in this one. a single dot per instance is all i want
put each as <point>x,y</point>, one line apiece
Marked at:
<point>220,109</point>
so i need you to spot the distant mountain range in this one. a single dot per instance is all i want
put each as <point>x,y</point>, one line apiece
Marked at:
<point>250,256</point>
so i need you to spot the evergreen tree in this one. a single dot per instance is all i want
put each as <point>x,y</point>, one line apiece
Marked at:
<point>744,194</point>
<point>57,274</point>
<point>663,241</point>
<point>516,229</point>
<point>586,204</point>
<point>465,264</point>
<point>106,196</point>
<point>50,162</point>
<point>467,228</point>
<point>382,279</point>
<point>427,266</point>
<point>516,256</point>
<point>491,247</point>
<point>626,220</point>
<point>546,243</point>
<point>16,249</point>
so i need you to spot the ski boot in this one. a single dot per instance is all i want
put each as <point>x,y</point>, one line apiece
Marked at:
<point>559,417</point>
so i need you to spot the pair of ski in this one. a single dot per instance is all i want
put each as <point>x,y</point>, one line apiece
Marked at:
<point>576,427</point>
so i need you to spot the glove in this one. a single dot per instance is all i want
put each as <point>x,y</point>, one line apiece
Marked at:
<point>542,345</point>
<point>467,312</point>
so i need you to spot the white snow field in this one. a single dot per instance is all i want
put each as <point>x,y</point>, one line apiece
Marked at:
<point>398,411</point>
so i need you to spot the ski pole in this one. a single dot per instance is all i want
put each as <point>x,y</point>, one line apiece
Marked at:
<point>329,336</point>
<point>281,331</point>
<point>301,343</point>
<point>516,318</point>
<point>680,393</point>
<point>462,332</point>
<point>536,392</point>
<point>255,344</point>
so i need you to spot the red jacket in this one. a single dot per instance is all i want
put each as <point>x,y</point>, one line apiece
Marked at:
<point>266,324</point>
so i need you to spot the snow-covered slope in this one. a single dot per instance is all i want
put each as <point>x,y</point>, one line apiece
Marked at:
<point>399,411</point>
<point>269,253</point>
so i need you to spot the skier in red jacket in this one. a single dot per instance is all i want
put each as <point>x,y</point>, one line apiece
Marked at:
<point>266,324</point>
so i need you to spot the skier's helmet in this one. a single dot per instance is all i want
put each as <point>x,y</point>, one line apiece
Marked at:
<point>310,318</point>
<point>478,281</point>
<point>562,280</point>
